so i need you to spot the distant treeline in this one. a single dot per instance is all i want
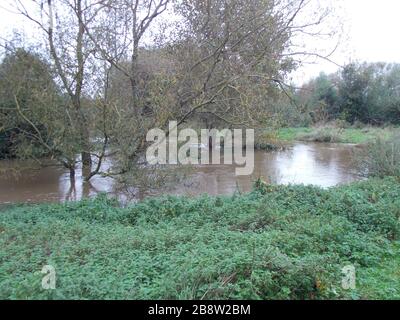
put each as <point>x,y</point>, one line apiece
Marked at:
<point>361,92</point>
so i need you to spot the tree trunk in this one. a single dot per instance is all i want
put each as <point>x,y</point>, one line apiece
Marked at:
<point>86,159</point>
<point>72,175</point>
<point>84,137</point>
<point>85,143</point>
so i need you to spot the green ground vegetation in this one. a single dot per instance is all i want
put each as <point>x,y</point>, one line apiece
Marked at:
<point>334,134</point>
<point>277,242</point>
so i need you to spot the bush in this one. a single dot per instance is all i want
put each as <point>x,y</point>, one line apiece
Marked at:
<point>268,141</point>
<point>324,134</point>
<point>380,158</point>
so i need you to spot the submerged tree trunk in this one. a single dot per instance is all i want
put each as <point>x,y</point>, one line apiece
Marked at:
<point>85,146</point>
<point>86,159</point>
<point>83,123</point>
<point>72,175</point>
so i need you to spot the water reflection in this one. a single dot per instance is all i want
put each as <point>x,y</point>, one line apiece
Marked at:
<point>323,165</point>
<point>318,164</point>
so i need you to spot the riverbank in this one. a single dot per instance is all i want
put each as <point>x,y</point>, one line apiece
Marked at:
<point>330,133</point>
<point>277,242</point>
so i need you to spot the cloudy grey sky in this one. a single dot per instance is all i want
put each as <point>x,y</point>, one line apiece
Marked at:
<point>371,34</point>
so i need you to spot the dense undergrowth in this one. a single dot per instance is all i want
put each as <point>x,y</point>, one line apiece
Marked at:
<point>277,242</point>
<point>380,158</point>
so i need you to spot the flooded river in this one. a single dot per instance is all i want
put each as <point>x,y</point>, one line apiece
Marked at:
<point>318,164</point>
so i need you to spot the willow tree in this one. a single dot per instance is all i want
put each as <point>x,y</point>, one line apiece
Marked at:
<point>143,63</point>
<point>235,56</point>
<point>225,61</point>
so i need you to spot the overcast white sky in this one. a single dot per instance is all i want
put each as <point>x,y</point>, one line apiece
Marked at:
<point>372,34</point>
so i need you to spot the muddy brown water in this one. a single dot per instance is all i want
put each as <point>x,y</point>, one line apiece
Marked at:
<point>317,164</point>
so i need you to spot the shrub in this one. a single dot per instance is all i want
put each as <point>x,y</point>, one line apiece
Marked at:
<point>380,158</point>
<point>324,134</point>
<point>268,141</point>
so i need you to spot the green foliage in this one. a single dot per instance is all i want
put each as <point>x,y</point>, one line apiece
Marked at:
<point>382,282</point>
<point>325,97</point>
<point>277,242</point>
<point>367,93</point>
<point>370,93</point>
<point>355,81</point>
<point>25,78</point>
